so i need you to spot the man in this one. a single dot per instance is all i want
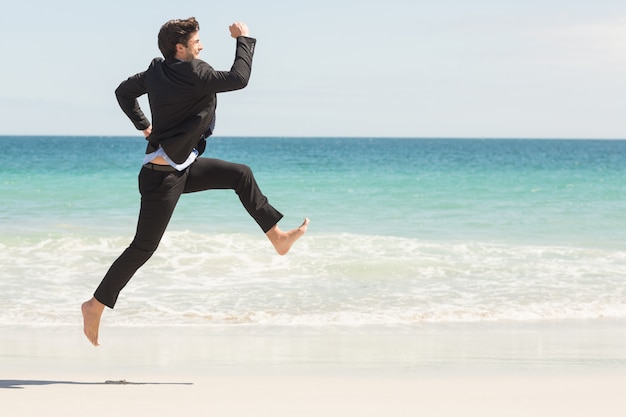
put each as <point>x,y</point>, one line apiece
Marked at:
<point>182,94</point>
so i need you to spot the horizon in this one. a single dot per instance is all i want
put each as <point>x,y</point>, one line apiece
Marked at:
<point>330,137</point>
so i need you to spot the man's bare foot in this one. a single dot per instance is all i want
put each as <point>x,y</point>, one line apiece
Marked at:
<point>92,311</point>
<point>283,241</point>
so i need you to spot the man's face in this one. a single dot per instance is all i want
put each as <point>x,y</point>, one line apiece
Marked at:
<point>192,50</point>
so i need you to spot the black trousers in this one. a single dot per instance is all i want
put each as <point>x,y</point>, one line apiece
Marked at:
<point>160,192</point>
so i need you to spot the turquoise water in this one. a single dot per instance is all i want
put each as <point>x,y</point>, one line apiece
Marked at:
<point>403,231</point>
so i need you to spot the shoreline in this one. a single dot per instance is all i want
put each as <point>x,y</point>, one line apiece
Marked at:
<point>556,346</point>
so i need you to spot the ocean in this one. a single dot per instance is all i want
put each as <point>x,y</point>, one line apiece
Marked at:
<point>403,232</point>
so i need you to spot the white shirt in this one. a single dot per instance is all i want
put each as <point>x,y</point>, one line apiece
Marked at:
<point>179,167</point>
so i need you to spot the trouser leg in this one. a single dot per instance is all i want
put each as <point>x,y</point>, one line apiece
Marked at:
<point>160,192</point>
<point>214,174</point>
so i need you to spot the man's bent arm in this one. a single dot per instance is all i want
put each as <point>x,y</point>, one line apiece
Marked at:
<point>127,94</point>
<point>239,74</point>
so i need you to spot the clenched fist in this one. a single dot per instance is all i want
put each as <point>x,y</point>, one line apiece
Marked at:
<point>238,29</point>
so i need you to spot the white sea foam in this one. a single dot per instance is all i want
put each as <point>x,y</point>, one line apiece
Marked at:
<point>348,279</point>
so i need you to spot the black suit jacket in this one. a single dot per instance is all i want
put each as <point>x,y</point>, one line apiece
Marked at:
<point>182,96</point>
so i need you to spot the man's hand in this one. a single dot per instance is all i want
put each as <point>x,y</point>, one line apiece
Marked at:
<point>238,29</point>
<point>147,131</point>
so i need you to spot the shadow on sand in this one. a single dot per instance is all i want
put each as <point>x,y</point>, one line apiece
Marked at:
<point>23,383</point>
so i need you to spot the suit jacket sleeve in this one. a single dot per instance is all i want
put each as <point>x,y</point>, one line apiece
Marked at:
<point>127,94</point>
<point>238,75</point>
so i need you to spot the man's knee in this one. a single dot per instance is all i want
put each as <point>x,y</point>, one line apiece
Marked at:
<point>143,248</point>
<point>245,176</point>
<point>246,171</point>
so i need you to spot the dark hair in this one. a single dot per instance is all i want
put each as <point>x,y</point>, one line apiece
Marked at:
<point>174,32</point>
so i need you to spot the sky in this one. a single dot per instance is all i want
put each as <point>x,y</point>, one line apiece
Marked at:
<point>342,68</point>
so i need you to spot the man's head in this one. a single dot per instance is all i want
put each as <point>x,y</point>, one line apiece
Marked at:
<point>179,39</point>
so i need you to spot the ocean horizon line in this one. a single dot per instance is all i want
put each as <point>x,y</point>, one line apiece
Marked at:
<point>333,137</point>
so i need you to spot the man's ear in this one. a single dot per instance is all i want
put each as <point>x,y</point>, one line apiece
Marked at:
<point>180,51</point>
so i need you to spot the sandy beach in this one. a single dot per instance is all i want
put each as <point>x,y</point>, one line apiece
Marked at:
<point>329,395</point>
<point>251,371</point>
